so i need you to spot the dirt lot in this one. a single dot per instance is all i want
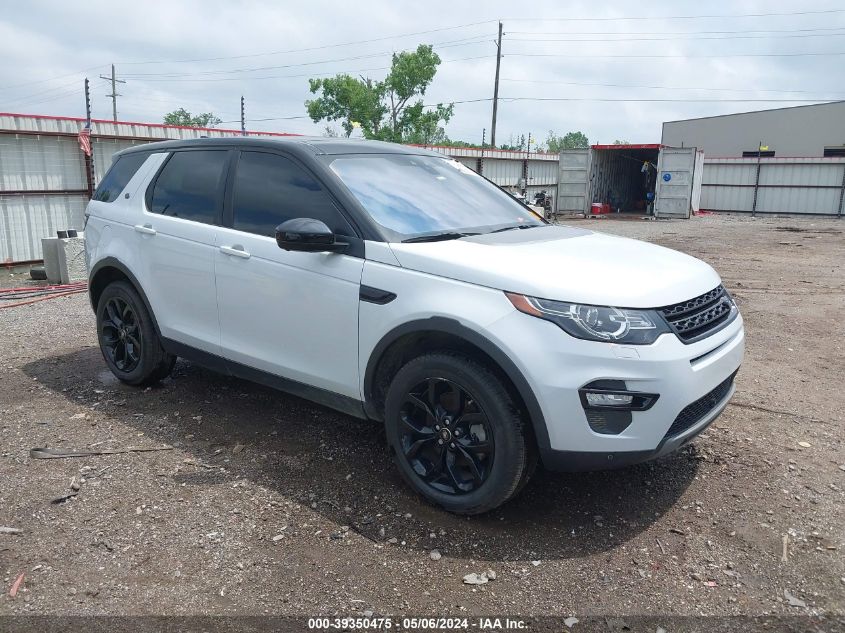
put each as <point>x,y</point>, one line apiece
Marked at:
<point>266,504</point>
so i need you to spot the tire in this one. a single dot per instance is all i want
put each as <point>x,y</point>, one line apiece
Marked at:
<point>128,340</point>
<point>38,272</point>
<point>456,434</point>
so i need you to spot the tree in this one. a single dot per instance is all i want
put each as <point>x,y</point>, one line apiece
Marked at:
<point>186,119</point>
<point>571,140</point>
<point>516,145</point>
<point>618,142</point>
<point>388,110</point>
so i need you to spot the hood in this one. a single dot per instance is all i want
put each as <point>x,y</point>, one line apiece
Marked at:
<point>565,264</point>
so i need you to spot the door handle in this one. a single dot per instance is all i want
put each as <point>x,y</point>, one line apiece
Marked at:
<point>235,251</point>
<point>146,229</point>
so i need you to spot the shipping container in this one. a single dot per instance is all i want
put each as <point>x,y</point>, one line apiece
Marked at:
<point>633,179</point>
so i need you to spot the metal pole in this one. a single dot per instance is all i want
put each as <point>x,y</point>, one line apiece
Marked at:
<point>89,160</point>
<point>496,87</point>
<point>243,118</point>
<point>841,194</point>
<point>756,181</point>
<point>481,160</point>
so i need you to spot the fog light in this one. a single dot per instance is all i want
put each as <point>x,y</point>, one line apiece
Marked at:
<point>608,399</point>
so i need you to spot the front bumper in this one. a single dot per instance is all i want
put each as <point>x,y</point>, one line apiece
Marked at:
<point>556,365</point>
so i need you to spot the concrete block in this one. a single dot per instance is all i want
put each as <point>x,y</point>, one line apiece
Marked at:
<point>50,250</point>
<point>72,265</point>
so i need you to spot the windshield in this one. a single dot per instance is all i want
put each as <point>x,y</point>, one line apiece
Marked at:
<point>424,195</point>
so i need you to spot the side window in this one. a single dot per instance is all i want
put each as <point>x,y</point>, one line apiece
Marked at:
<point>270,189</point>
<point>119,175</point>
<point>189,186</point>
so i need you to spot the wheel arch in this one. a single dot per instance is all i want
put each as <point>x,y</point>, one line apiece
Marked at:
<point>108,270</point>
<point>440,333</point>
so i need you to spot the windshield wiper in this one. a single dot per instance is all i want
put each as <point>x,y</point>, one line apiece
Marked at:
<point>439,237</point>
<point>516,226</point>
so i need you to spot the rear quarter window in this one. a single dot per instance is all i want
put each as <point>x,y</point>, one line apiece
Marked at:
<point>118,176</point>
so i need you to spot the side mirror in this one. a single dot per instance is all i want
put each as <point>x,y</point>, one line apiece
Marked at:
<point>308,235</point>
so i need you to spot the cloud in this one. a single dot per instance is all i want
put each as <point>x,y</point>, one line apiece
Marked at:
<point>45,45</point>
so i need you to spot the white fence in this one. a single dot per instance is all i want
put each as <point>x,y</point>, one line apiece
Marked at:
<point>774,185</point>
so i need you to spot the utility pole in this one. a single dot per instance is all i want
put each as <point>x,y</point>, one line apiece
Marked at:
<point>243,117</point>
<point>114,94</point>
<point>496,87</point>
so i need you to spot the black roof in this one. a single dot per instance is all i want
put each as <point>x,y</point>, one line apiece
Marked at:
<point>310,144</point>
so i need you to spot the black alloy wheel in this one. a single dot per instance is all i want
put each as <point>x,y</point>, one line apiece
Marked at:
<point>446,436</point>
<point>457,433</point>
<point>121,336</point>
<point>128,339</point>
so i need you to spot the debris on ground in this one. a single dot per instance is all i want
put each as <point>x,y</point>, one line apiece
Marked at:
<point>792,600</point>
<point>13,591</point>
<point>9,530</point>
<point>59,453</point>
<point>478,579</point>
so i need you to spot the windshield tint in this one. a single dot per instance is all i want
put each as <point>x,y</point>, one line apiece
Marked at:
<point>417,195</point>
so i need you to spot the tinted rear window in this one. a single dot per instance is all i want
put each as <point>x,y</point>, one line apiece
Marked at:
<point>190,186</point>
<point>119,175</point>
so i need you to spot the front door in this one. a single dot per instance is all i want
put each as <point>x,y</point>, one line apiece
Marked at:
<point>292,314</point>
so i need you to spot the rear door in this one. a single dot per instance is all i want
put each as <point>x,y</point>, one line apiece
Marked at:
<point>573,195</point>
<point>675,175</point>
<point>176,236</point>
<point>291,314</point>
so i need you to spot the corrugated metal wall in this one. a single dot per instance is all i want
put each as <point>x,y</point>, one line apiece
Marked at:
<point>785,185</point>
<point>43,187</point>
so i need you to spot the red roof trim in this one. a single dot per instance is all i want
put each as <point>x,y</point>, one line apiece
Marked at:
<point>478,149</point>
<point>151,125</point>
<point>631,146</point>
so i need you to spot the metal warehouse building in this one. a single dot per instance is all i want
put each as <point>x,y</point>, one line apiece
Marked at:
<point>801,131</point>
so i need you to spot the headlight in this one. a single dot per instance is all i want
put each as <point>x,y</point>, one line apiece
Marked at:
<point>595,323</point>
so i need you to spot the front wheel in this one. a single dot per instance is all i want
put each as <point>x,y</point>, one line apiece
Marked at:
<point>127,337</point>
<point>456,433</point>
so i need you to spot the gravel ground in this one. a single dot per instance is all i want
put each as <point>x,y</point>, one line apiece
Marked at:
<point>266,504</point>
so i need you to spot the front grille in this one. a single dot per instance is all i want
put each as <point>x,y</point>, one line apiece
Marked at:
<point>693,413</point>
<point>694,319</point>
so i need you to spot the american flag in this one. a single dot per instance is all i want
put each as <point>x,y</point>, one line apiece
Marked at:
<point>85,138</point>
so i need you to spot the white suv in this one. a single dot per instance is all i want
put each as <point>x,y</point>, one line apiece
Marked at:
<point>395,284</point>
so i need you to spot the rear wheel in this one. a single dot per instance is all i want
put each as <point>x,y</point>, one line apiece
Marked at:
<point>456,433</point>
<point>127,337</point>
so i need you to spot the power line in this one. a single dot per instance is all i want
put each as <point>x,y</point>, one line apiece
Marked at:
<point>591,56</point>
<point>611,99</point>
<point>444,61</point>
<point>831,28</point>
<point>41,81</point>
<point>278,67</point>
<point>675,17</point>
<point>598,99</point>
<point>315,48</point>
<point>670,39</point>
<point>605,85</point>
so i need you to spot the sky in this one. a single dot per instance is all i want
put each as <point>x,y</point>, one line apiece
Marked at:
<point>612,69</point>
